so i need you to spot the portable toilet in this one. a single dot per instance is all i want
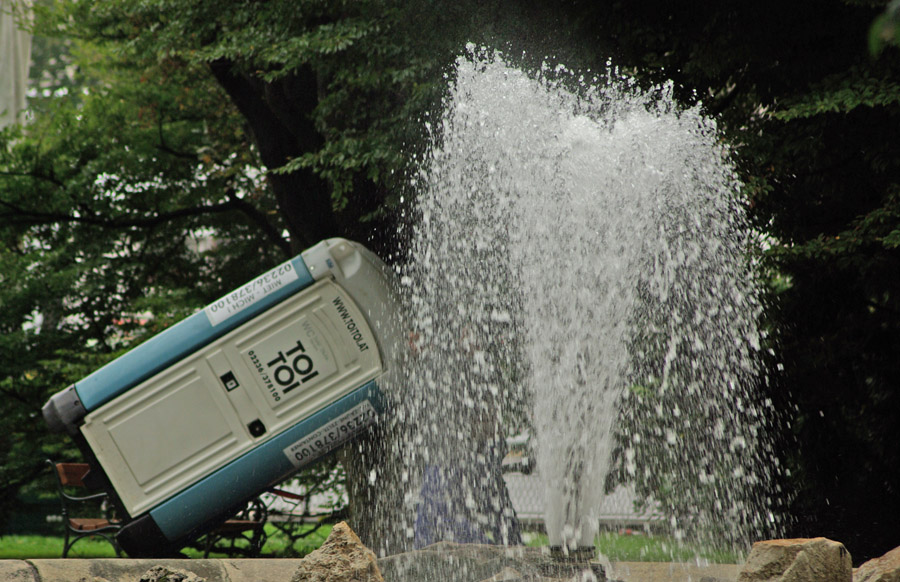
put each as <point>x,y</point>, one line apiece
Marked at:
<point>187,427</point>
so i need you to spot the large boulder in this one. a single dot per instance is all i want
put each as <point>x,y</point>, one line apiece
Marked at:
<point>798,560</point>
<point>454,562</point>
<point>342,558</point>
<point>883,569</point>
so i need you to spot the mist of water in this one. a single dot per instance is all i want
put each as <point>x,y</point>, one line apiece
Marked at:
<point>580,271</point>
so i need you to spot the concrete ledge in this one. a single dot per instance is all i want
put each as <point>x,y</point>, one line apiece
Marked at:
<point>673,572</point>
<point>17,571</point>
<point>281,570</point>
<point>128,570</point>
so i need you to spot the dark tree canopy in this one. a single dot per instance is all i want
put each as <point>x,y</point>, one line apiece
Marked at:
<point>813,118</point>
<point>266,126</point>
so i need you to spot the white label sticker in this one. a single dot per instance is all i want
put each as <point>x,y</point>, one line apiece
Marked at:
<point>254,291</point>
<point>332,435</point>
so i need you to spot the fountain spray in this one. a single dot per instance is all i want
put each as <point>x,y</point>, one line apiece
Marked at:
<point>580,254</point>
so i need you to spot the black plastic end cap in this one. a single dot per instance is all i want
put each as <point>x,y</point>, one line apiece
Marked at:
<point>64,411</point>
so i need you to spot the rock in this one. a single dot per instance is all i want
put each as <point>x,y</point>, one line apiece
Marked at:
<point>883,569</point>
<point>342,558</point>
<point>164,574</point>
<point>505,575</point>
<point>798,560</point>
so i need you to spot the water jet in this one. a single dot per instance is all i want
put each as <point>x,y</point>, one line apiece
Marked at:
<point>581,268</point>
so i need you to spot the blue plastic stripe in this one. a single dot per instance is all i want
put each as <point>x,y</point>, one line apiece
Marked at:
<point>250,474</point>
<point>175,343</point>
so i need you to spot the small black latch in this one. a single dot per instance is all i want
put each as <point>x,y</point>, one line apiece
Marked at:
<point>229,381</point>
<point>257,428</point>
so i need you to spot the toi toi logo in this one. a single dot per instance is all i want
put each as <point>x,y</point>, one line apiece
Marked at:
<point>290,371</point>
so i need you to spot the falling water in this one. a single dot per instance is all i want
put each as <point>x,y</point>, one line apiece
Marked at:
<point>579,256</point>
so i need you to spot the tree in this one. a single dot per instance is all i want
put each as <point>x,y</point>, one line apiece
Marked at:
<point>255,128</point>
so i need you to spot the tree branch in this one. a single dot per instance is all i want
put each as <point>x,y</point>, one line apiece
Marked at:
<point>261,221</point>
<point>53,181</point>
<point>17,215</point>
<point>164,147</point>
<point>15,396</point>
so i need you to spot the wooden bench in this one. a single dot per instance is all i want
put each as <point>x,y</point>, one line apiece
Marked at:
<point>248,525</point>
<point>71,476</point>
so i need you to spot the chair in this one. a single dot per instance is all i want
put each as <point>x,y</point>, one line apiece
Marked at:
<point>248,525</point>
<point>71,475</point>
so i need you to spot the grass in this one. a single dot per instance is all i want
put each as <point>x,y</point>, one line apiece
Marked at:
<point>617,547</point>
<point>33,547</point>
<point>276,544</point>
<point>639,547</point>
<point>650,548</point>
<point>21,547</point>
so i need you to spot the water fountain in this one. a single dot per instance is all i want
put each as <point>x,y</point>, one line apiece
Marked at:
<point>579,256</point>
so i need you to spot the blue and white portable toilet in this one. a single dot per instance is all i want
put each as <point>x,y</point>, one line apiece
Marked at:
<point>194,422</point>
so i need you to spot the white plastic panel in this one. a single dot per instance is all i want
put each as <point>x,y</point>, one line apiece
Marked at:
<point>144,437</point>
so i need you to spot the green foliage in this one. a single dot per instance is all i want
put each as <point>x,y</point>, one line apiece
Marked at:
<point>368,81</point>
<point>885,29</point>
<point>842,94</point>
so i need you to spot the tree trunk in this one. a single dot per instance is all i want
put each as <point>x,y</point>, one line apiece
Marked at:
<point>280,118</point>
